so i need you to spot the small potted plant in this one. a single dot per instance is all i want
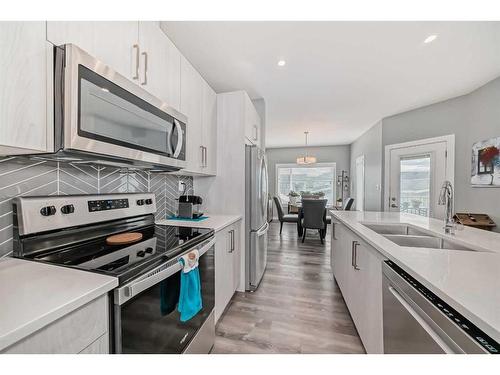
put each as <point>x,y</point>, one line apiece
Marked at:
<point>339,202</point>
<point>292,195</point>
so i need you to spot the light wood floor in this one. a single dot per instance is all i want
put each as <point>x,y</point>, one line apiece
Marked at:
<point>298,307</point>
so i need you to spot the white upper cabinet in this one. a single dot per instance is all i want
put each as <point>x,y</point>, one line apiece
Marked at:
<point>114,43</point>
<point>192,107</point>
<point>25,88</point>
<point>209,133</point>
<point>160,64</point>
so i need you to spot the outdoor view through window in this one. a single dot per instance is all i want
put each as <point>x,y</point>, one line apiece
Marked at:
<point>310,179</point>
<point>415,185</point>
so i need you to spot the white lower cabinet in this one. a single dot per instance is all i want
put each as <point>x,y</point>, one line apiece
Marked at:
<point>227,266</point>
<point>84,330</point>
<point>357,267</point>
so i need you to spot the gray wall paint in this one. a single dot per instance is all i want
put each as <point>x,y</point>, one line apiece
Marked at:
<point>472,117</point>
<point>23,177</point>
<point>370,145</point>
<point>324,154</point>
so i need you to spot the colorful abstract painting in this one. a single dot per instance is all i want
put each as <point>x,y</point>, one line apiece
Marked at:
<point>485,171</point>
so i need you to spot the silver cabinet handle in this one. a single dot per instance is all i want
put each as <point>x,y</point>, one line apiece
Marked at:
<point>355,260</point>
<point>206,157</point>
<point>137,53</point>
<point>352,253</point>
<point>231,240</point>
<point>333,231</point>
<point>256,136</point>
<point>202,157</point>
<point>145,80</point>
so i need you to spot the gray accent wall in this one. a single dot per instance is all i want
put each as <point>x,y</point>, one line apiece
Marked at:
<point>23,177</point>
<point>472,117</point>
<point>324,154</point>
<point>369,145</point>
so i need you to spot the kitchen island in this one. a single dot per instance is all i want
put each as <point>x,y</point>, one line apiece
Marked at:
<point>466,274</point>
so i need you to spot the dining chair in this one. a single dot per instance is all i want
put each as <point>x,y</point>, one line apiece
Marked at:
<point>282,217</point>
<point>348,204</point>
<point>314,216</point>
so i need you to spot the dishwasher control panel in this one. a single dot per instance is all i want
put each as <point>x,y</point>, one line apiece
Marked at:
<point>490,345</point>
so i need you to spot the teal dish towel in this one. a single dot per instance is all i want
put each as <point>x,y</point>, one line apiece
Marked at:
<point>190,302</point>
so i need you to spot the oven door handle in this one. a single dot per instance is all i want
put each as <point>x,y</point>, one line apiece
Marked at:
<point>132,289</point>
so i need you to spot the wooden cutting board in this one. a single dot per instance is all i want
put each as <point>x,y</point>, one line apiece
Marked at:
<point>124,238</point>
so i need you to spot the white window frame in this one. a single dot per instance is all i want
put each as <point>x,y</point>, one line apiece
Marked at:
<point>308,166</point>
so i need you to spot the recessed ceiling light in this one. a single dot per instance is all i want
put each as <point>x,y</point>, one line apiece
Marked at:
<point>430,38</point>
<point>104,89</point>
<point>281,63</point>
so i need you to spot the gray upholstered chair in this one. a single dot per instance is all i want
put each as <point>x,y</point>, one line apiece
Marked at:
<point>284,218</point>
<point>314,216</point>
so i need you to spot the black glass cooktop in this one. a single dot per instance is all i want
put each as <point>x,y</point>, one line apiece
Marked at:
<point>158,244</point>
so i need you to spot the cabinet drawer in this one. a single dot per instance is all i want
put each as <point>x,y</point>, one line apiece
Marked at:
<point>70,334</point>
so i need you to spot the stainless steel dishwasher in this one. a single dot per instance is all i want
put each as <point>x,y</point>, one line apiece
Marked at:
<point>416,321</point>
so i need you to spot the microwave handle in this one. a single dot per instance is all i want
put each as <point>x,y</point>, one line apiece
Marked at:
<point>180,139</point>
<point>137,287</point>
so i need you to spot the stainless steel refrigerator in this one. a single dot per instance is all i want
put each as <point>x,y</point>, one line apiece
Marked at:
<point>256,203</point>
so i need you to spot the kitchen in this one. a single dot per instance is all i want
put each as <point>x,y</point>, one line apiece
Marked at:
<point>146,193</point>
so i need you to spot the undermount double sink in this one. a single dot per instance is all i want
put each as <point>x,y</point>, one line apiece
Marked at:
<point>405,235</point>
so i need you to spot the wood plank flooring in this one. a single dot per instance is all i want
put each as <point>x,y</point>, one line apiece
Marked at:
<point>298,308</point>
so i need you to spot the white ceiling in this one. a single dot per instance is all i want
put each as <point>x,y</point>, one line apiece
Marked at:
<point>340,78</point>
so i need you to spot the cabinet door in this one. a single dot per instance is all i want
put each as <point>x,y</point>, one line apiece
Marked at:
<point>209,133</point>
<point>191,106</point>
<point>111,42</point>
<point>237,254</point>
<point>341,256</point>
<point>160,64</point>
<point>25,83</point>
<point>365,302</point>
<point>223,272</point>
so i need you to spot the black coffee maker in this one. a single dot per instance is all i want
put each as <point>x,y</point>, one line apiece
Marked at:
<point>190,207</point>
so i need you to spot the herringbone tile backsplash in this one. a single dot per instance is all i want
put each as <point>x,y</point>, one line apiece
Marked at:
<point>24,177</point>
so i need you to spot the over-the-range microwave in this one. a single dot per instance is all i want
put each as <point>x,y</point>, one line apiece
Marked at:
<point>102,117</point>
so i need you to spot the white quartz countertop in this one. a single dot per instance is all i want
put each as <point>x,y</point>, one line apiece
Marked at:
<point>469,281</point>
<point>215,222</point>
<point>33,295</point>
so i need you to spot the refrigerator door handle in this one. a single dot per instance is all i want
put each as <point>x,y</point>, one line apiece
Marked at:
<point>263,230</point>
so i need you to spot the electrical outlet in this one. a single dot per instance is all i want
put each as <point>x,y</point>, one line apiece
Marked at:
<point>182,186</point>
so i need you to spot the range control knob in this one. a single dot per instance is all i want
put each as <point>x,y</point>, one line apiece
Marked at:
<point>68,209</point>
<point>149,250</point>
<point>48,211</point>
<point>149,201</point>
<point>140,202</point>
<point>141,254</point>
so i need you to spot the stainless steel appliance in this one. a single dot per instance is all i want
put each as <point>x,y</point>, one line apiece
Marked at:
<point>256,202</point>
<point>416,321</point>
<point>75,231</point>
<point>102,117</point>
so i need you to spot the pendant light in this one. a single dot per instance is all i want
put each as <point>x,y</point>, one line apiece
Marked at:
<point>306,159</point>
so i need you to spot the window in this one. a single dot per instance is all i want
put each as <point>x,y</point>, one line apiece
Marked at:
<point>316,178</point>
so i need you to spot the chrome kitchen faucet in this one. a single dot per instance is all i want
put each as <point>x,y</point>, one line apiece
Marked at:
<point>446,198</point>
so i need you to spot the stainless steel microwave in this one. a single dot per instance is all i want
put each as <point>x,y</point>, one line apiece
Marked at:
<point>102,117</point>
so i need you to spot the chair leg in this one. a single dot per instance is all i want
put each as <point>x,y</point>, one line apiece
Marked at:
<point>304,234</point>
<point>281,227</point>
<point>321,236</point>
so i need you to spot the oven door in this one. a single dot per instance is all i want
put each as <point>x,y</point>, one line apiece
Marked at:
<point>106,114</point>
<point>146,319</point>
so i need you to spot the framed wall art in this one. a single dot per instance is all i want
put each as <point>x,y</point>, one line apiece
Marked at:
<point>485,168</point>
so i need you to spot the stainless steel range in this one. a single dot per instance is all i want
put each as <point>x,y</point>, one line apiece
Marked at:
<point>116,235</point>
